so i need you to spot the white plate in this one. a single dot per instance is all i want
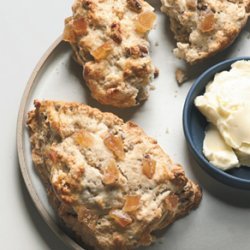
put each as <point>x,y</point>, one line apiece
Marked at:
<point>223,219</point>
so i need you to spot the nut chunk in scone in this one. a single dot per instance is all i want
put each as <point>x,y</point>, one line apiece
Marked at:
<point>109,182</point>
<point>109,39</point>
<point>205,27</point>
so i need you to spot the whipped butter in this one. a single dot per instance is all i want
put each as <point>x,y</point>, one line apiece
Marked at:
<point>217,151</point>
<point>226,104</point>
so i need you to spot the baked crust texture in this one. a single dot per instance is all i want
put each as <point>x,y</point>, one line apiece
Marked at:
<point>204,27</point>
<point>113,49</point>
<point>108,181</point>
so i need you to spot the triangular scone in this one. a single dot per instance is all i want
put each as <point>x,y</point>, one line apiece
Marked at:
<point>110,183</point>
<point>109,39</point>
<point>205,27</point>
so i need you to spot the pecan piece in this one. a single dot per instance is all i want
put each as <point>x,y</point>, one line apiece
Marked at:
<point>135,5</point>
<point>116,33</point>
<point>136,51</point>
<point>191,4</point>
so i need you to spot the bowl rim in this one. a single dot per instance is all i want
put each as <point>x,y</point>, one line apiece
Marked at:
<point>217,173</point>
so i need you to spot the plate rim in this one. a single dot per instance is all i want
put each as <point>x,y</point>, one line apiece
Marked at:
<point>20,150</point>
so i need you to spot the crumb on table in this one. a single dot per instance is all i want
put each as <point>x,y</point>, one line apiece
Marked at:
<point>180,76</point>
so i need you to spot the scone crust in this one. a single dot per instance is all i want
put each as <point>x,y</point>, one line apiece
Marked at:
<point>115,57</point>
<point>71,151</point>
<point>203,28</point>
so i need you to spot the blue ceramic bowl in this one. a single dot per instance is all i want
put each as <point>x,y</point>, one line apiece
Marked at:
<point>194,124</point>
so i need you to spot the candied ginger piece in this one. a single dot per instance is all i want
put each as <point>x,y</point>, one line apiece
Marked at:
<point>115,144</point>
<point>171,201</point>
<point>80,26</point>
<point>145,21</point>
<point>111,173</point>
<point>148,166</point>
<point>103,51</point>
<point>207,23</point>
<point>132,203</point>
<point>120,217</point>
<point>69,34</point>
<point>83,138</point>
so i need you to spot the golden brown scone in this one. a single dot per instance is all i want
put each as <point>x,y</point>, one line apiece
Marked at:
<point>205,27</point>
<point>110,183</point>
<point>109,39</point>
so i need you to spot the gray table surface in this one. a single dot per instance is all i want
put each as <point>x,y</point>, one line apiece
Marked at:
<point>27,29</point>
<point>26,33</point>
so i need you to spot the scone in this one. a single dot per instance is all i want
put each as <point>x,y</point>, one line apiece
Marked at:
<point>109,182</point>
<point>109,39</point>
<point>205,27</point>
